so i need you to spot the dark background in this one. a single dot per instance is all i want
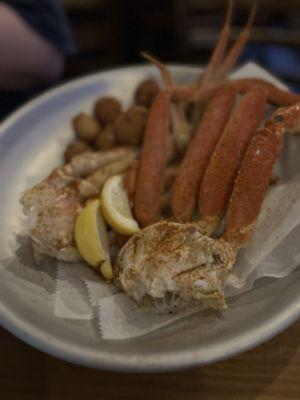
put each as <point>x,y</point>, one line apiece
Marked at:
<point>112,32</point>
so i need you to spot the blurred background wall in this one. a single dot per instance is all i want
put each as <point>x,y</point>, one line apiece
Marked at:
<point>112,32</point>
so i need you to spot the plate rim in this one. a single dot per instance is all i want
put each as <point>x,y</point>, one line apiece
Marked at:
<point>34,336</point>
<point>39,339</point>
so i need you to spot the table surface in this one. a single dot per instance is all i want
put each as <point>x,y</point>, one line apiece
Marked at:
<point>271,371</point>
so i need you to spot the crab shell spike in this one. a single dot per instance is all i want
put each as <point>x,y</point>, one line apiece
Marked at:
<point>256,169</point>
<point>162,67</point>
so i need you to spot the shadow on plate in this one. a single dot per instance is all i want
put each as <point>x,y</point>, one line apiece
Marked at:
<point>24,266</point>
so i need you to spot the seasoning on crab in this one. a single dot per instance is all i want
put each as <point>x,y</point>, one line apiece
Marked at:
<point>145,92</point>
<point>86,127</point>
<point>130,126</point>
<point>106,138</point>
<point>107,109</point>
<point>169,265</point>
<point>217,184</point>
<point>76,148</point>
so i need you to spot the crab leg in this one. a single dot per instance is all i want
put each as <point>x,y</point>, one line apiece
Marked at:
<point>212,73</point>
<point>254,176</point>
<point>152,164</point>
<point>166,76</point>
<point>130,178</point>
<point>219,49</point>
<point>275,95</point>
<point>216,58</point>
<point>224,164</point>
<point>149,183</point>
<point>180,127</point>
<point>186,186</point>
<point>237,48</point>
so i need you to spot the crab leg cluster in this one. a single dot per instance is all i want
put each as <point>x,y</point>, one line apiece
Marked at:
<point>224,172</point>
<point>152,164</point>
<point>171,265</point>
<point>186,186</point>
<point>217,69</point>
<point>214,155</point>
<point>236,50</point>
<point>224,163</point>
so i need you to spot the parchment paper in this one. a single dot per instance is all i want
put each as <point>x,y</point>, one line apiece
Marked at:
<point>273,251</point>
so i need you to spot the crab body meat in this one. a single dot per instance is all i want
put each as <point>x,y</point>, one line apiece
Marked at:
<point>168,266</point>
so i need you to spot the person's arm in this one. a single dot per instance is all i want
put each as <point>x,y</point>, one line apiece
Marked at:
<point>27,59</point>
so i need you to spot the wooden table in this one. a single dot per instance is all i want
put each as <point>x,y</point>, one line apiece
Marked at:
<point>269,372</point>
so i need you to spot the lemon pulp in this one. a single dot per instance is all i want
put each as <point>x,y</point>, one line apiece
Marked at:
<point>116,208</point>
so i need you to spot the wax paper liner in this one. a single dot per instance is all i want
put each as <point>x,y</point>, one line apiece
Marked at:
<point>78,290</point>
<point>120,318</point>
<point>273,251</point>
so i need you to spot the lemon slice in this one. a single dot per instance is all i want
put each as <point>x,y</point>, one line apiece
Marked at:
<point>116,208</point>
<point>91,237</point>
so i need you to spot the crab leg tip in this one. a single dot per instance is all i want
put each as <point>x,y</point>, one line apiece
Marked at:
<point>162,67</point>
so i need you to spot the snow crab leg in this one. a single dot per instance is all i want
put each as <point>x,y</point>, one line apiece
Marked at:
<point>218,67</point>
<point>150,176</point>
<point>186,186</point>
<point>276,96</point>
<point>237,48</point>
<point>170,265</point>
<point>219,49</point>
<point>254,175</point>
<point>224,163</point>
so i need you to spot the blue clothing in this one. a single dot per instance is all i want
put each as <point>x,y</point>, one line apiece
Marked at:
<point>48,19</point>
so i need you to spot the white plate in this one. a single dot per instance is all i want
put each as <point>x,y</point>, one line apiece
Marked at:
<point>31,144</point>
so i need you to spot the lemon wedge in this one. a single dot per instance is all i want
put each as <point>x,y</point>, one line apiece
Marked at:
<point>116,208</point>
<point>91,237</point>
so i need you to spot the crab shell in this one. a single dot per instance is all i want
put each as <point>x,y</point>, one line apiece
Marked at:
<point>168,266</point>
